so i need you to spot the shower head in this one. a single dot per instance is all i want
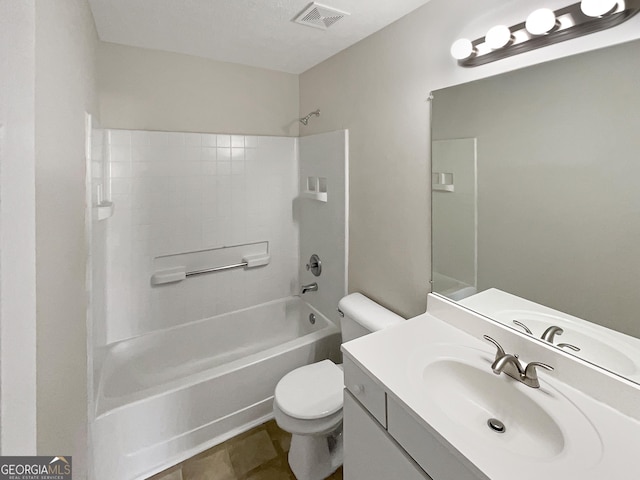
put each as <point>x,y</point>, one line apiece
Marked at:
<point>305,120</point>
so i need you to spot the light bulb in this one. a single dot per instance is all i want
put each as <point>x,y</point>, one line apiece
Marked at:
<point>462,49</point>
<point>597,8</point>
<point>498,37</point>
<point>540,21</point>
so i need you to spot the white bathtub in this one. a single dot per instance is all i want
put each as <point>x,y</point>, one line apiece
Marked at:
<point>166,396</point>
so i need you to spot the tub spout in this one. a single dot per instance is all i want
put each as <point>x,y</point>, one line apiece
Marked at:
<point>312,287</point>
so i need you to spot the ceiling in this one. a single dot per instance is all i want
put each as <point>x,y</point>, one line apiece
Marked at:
<point>258,33</point>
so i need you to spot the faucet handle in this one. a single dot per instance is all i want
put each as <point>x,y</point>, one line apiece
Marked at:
<point>500,350</point>
<point>531,372</point>
<point>530,375</point>
<point>569,346</point>
<point>523,326</point>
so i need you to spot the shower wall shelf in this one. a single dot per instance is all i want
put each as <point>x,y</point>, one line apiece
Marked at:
<point>105,210</point>
<point>316,189</point>
<point>319,196</point>
<point>443,188</point>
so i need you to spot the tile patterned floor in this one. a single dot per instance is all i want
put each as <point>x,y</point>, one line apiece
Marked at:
<point>259,454</point>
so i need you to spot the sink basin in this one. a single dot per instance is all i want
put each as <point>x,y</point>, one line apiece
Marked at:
<point>461,394</point>
<point>482,395</point>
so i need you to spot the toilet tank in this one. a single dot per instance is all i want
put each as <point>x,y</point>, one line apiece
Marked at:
<point>363,316</point>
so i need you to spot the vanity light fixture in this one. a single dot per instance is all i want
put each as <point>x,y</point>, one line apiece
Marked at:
<point>598,8</point>
<point>541,21</point>
<point>462,49</point>
<point>543,27</point>
<point>498,37</point>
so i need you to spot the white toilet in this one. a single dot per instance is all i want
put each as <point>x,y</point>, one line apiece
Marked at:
<point>308,401</point>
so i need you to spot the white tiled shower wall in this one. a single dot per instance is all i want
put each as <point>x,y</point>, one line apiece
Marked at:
<point>181,192</point>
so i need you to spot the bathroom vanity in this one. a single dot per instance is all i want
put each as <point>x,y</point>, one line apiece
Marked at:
<point>422,402</point>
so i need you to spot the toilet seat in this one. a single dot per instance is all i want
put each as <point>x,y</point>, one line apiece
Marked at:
<point>320,426</point>
<point>311,392</point>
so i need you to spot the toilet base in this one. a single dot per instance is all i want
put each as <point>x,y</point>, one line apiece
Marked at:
<point>315,457</point>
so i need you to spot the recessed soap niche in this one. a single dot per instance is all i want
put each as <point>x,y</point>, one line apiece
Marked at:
<point>316,189</point>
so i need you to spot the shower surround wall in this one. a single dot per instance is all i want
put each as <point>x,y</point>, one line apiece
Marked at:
<point>180,367</point>
<point>324,225</point>
<point>181,192</point>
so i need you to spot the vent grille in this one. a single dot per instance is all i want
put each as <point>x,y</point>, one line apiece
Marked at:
<point>319,16</point>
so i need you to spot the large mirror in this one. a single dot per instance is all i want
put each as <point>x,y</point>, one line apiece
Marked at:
<point>536,202</point>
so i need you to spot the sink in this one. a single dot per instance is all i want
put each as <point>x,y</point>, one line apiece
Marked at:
<point>482,395</point>
<point>461,395</point>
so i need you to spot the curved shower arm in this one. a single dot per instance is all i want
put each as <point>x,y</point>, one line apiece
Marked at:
<point>305,120</point>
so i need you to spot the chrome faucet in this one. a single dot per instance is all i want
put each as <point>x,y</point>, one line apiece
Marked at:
<point>551,332</point>
<point>510,365</point>
<point>312,287</point>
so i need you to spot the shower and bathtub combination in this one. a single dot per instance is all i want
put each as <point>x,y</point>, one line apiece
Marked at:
<point>190,333</point>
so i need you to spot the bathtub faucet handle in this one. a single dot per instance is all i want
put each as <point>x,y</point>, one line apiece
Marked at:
<point>314,265</point>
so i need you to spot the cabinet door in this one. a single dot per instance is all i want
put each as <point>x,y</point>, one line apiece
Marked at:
<point>369,452</point>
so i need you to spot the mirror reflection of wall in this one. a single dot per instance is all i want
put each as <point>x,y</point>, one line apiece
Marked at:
<point>558,167</point>
<point>453,183</point>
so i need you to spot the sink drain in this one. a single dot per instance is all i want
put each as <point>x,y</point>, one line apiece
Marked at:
<point>496,425</point>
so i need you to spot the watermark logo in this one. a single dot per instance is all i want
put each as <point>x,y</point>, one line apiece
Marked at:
<point>35,468</point>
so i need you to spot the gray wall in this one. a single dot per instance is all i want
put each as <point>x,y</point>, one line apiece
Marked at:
<point>558,197</point>
<point>153,90</point>
<point>17,228</point>
<point>66,41</point>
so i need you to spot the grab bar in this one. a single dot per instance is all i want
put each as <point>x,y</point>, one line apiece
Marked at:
<point>178,274</point>
<point>216,269</point>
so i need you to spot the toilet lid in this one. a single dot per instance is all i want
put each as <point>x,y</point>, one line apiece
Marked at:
<point>311,392</point>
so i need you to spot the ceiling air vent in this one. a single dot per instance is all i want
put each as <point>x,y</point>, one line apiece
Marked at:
<point>319,16</point>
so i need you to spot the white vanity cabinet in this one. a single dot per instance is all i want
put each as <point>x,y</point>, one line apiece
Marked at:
<point>383,442</point>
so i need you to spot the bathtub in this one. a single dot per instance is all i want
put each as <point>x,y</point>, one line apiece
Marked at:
<point>165,396</point>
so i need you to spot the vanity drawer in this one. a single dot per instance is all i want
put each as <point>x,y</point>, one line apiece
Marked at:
<point>366,391</point>
<point>427,451</point>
